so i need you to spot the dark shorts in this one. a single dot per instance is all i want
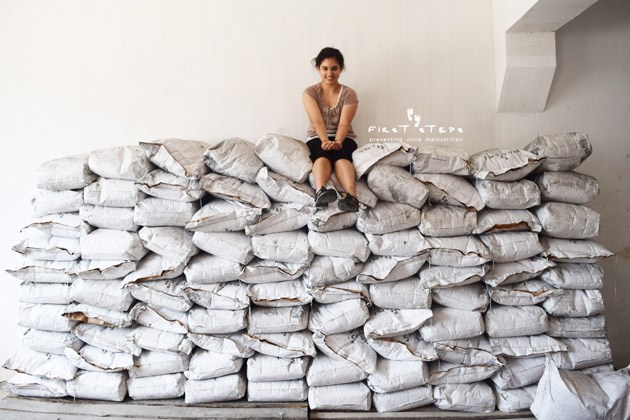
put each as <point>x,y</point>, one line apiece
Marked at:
<point>315,146</point>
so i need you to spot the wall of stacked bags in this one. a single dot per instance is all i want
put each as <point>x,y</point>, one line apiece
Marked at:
<point>175,268</point>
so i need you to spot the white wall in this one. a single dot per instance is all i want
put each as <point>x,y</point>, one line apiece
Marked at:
<point>76,76</point>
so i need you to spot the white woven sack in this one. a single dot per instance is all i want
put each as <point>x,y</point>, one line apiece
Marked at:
<point>516,195</point>
<point>452,324</point>
<point>324,271</point>
<point>111,244</point>
<point>104,269</point>
<point>262,320</point>
<point>44,317</point>
<point>405,243</point>
<point>516,271</point>
<point>511,246</point>
<point>163,341</point>
<point>285,155</point>
<point>155,363</point>
<point>574,251</point>
<point>98,386</point>
<point>120,162</point>
<point>160,318</point>
<point>234,246</point>
<point>156,387</point>
<point>504,164</point>
<point>335,318</point>
<point>229,188</point>
<point>385,269</point>
<point>225,388</point>
<point>208,365</point>
<point>51,248</point>
<point>368,155</point>
<point>231,296</point>
<point>297,344</point>
<point>440,160</point>
<point>234,157</point>
<point>355,397</point>
<point>326,370</point>
<point>94,315</point>
<point>513,400</point>
<point>162,293</point>
<point>515,321</point>
<point>269,271</point>
<point>582,327</point>
<point>232,344</point>
<point>216,321</point>
<point>51,202</point>
<point>451,189</point>
<point>162,184</point>
<point>473,398</point>
<point>280,217</point>
<point>351,347</point>
<point>66,173</point>
<point>340,292</point>
<point>574,276</point>
<point>155,267</point>
<point>169,241</point>
<point>575,303</point>
<point>470,297</point>
<point>332,218</point>
<point>387,217</point>
<point>391,183</point>
<point>450,373</point>
<point>403,294</point>
<point>562,152</point>
<point>263,368</point>
<point>406,399</point>
<point>180,157</point>
<point>282,189</point>
<point>475,351</point>
<point>288,247</point>
<point>25,385</point>
<point>161,212</point>
<point>526,346</point>
<point>530,292</point>
<point>495,221</point>
<point>436,276</point>
<point>395,322</point>
<point>277,391</point>
<point>567,187</point>
<point>223,216</point>
<point>568,221</point>
<point>446,220</point>
<point>66,225</point>
<point>205,269</point>
<point>458,251</point>
<point>50,341</point>
<point>98,360</point>
<point>393,375</point>
<point>405,347</point>
<point>518,372</point>
<point>58,294</point>
<point>279,294</point>
<point>112,193</point>
<point>45,365</point>
<point>112,339</point>
<point>345,243</point>
<point>120,218</point>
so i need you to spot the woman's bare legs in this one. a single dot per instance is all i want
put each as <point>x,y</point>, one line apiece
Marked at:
<point>322,169</point>
<point>346,175</point>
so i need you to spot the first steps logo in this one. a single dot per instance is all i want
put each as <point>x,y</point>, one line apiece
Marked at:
<point>415,131</point>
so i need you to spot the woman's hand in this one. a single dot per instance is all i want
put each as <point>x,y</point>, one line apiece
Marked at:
<point>336,145</point>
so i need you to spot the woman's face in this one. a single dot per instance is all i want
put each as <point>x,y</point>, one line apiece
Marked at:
<point>329,70</point>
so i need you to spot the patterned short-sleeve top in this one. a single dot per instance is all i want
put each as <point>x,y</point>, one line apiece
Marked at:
<point>332,115</point>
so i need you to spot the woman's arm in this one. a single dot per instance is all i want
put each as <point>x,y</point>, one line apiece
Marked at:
<point>315,116</point>
<point>347,115</point>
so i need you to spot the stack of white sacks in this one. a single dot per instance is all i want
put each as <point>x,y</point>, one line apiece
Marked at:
<point>176,268</point>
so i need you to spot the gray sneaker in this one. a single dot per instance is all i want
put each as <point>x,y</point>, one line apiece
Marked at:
<point>325,196</point>
<point>348,203</point>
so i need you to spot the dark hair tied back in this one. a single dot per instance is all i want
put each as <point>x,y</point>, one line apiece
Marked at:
<point>329,52</point>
